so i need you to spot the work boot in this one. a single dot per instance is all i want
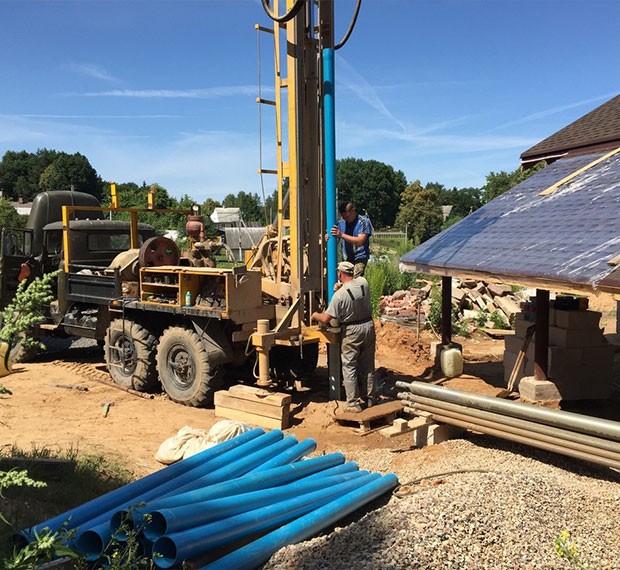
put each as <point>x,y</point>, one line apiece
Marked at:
<point>354,408</point>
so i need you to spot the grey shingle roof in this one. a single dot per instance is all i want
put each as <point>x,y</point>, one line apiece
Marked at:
<point>594,132</point>
<point>562,241</point>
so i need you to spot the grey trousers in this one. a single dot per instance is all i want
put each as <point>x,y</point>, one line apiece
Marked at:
<point>358,361</point>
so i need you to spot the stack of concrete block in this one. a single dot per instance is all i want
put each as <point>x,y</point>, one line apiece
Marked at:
<point>580,360</point>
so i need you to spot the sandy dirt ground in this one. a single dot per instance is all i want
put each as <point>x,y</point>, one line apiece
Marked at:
<point>59,404</point>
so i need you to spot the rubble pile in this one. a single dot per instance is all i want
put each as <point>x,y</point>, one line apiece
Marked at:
<point>476,304</point>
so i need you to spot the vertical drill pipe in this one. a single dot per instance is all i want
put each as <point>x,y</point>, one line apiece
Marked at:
<point>329,127</point>
<point>262,328</point>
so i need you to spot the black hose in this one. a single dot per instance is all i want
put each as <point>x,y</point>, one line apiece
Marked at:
<point>351,26</point>
<point>285,17</point>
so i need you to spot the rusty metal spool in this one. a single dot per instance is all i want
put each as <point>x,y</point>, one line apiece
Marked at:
<point>158,251</point>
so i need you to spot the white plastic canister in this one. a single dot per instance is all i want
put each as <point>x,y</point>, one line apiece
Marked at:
<point>451,362</point>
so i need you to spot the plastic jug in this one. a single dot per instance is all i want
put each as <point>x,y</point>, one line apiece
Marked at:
<point>451,362</point>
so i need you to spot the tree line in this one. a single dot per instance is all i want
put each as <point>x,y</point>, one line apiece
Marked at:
<point>376,188</point>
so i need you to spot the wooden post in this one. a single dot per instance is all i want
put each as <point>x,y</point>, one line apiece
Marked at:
<point>541,346</point>
<point>446,311</point>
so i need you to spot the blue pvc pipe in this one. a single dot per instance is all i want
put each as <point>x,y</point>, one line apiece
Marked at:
<point>92,542</point>
<point>256,553</point>
<point>250,482</point>
<point>336,470</point>
<point>122,495</point>
<point>169,521</point>
<point>289,456</point>
<point>174,548</point>
<point>329,135</point>
<point>238,465</point>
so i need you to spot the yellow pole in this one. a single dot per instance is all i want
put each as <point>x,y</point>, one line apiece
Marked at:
<point>113,195</point>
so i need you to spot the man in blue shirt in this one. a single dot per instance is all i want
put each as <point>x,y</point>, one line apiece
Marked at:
<point>354,232</point>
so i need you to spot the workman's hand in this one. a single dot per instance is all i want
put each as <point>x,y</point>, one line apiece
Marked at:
<point>337,285</point>
<point>336,232</point>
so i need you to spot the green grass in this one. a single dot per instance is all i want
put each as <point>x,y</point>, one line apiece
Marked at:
<point>71,479</point>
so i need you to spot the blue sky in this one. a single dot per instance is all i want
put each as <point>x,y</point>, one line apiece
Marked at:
<point>164,90</point>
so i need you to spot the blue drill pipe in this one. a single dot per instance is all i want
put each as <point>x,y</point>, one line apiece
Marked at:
<point>236,467</point>
<point>174,548</point>
<point>251,482</point>
<point>329,135</point>
<point>168,521</point>
<point>289,456</point>
<point>95,534</point>
<point>256,553</point>
<point>122,495</point>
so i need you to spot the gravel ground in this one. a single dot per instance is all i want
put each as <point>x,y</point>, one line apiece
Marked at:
<point>501,510</point>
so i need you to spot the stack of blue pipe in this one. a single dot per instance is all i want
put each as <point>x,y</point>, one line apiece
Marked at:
<point>251,485</point>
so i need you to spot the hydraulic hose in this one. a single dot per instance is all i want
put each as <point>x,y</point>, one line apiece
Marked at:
<point>285,17</point>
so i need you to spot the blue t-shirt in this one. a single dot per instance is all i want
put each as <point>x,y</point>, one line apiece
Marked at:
<point>361,225</point>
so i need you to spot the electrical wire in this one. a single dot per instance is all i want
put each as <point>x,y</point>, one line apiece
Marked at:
<point>404,490</point>
<point>285,17</point>
<point>351,26</point>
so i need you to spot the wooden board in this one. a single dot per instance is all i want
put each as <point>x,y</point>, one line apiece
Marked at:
<point>254,394</point>
<point>226,400</point>
<point>252,419</point>
<point>385,412</point>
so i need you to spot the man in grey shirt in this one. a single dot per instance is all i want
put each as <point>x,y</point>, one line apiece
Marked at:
<point>351,306</point>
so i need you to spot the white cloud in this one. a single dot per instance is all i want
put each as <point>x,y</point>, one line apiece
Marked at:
<point>92,70</point>
<point>206,93</point>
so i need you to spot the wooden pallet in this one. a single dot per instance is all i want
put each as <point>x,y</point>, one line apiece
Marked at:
<point>384,413</point>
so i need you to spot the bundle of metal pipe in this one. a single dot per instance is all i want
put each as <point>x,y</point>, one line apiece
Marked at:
<point>582,437</point>
<point>253,483</point>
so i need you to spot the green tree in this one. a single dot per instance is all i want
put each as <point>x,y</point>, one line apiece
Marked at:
<point>207,209</point>
<point>20,172</point>
<point>71,172</point>
<point>464,201</point>
<point>374,187</point>
<point>500,182</point>
<point>9,218</point>
<point>250,205</point>
<point>420,212</point>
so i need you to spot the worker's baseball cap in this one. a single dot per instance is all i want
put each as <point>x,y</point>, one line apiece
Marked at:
<point>346,267</point>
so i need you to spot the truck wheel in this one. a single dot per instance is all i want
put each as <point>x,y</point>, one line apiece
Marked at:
<point>184,369</point>
<point>130,355</point>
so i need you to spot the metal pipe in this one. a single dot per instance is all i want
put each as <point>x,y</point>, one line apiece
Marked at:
<point>541,344</point>
<point>125,494</point>
<point>543,429</point>
<point>172,549</point>
<point>505,433</point>
<point>567,420</point>
<point>258,552</point>
<point>519,430</point>
<point>251,482</point>
<point>168,521</point>
<point>446,311</point>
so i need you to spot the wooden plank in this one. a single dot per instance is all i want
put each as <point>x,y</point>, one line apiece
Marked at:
<point>253,419</point>
<point>568,178</point>
<point>369,414</point>
<point>223,398</point>
<point>259,395</point>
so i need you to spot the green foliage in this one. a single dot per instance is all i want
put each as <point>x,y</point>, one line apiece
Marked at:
<point>26,310</point>
<point>9,218</point>
<point>385,278</point>
<point>420,212</point>
<point>499,182</point>
<point>498,320</point>
<point>26,174</point>
<point>374,187</point>
<point>464,201</point>
<point>250,205</point>
<point>567,549</point>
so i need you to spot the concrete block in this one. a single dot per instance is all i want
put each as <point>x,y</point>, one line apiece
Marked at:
<point>521,326</point>
<point>538,390</point>
<point>514,344</point>
<point>577,319</point>
<point>438,433</point>
<point>575,338</point>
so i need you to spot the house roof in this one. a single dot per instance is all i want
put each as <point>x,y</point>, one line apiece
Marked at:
<point>562,241</point>
<point>596,131</point>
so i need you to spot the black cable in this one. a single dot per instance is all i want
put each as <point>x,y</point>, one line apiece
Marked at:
<point>351,26</point>
<point>285,17</point>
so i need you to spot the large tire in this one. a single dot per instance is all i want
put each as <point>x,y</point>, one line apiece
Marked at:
<point>184,369</point>
<point>130,355</point>
<point>287,364</point>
